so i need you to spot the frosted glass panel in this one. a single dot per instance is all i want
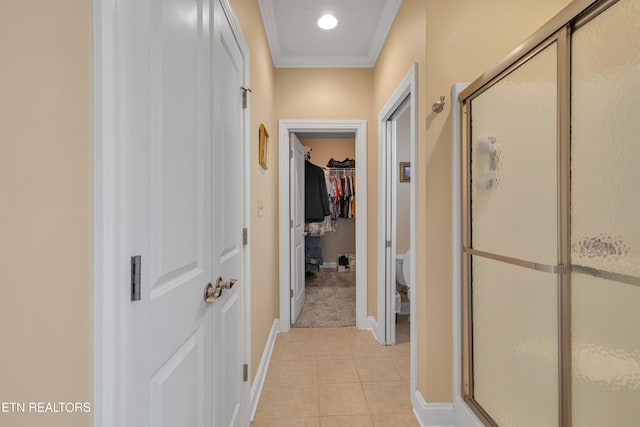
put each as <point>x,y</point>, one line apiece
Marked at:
<point>605,141</point>
<point>605,352</point>
<point>513,163</point>
<point>515,351</point>
<point>605,209</point>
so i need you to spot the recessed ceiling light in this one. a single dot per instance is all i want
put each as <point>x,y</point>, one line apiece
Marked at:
<point>327,22</point>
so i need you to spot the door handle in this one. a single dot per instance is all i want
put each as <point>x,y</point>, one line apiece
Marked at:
<point>225,285</point>
<point>211,293</point>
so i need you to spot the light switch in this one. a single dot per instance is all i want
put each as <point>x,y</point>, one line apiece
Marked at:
<point>260,207</point>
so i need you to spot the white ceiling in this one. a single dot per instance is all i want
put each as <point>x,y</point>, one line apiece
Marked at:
<point>296,40</point>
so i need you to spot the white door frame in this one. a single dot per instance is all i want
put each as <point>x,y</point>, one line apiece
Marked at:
<point>390,191</point>
<point>111,266</point>
<point>107,306</point>
<point>246,148</point>
<point>359,127</point>
<point>407,89</point>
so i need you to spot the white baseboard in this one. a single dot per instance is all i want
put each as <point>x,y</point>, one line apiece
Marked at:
<point>261,374</point>
<point>333,265</point>
<point>432,414</point>
<point>372,325</point>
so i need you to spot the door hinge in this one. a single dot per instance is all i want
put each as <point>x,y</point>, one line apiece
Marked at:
<point>291,292</point>
<point>136,265</point>
<point>388,244</point>
<point>244,95</point>
<point>245,237</point>
<point>290,223</point>
<point>245,373</point>
<point>291,154</point>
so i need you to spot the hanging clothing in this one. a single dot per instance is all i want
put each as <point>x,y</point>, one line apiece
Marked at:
<point>342,194</point>
<point>353,199</point>
<point>316,200</point>
<point>313,253</point>
<point>319,228</point>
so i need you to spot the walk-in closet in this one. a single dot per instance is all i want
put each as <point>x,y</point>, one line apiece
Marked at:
<point>330,231</point>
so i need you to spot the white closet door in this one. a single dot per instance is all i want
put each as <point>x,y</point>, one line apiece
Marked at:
<point>297,229</point>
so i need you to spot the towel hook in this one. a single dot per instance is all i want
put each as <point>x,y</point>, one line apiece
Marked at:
<point>438,105</point>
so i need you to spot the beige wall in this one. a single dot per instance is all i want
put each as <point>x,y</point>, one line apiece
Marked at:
<point>451,42</point>
<point>464,39</point>
<point>325,149</point>
<point>360,94</point>
<point>343,240</point>
<point>405,46</point>
<point>336,94</point>
<point>46,176</point>
<point>46,181</point>
<point>263,229</point>
<point>324,94</point>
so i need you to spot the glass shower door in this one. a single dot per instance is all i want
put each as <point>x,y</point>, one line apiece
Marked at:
<point>514,244</point>
<point>551,226</point>
<point>605,218</point>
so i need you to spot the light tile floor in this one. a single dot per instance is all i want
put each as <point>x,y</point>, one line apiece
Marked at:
<point>333,377</point>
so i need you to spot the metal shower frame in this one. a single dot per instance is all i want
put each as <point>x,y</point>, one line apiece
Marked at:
<point>558,30</point>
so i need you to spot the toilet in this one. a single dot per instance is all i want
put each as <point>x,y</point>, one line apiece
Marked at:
<point>402,277</point>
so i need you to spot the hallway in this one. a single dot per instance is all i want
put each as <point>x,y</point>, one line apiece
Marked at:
<point>337,377</point>
<point>144,146</point>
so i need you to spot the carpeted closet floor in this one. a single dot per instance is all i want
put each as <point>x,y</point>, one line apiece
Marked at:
<point>330,300</point>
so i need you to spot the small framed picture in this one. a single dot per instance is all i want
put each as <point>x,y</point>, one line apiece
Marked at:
<point>405,171</point>
<point>263,147</point>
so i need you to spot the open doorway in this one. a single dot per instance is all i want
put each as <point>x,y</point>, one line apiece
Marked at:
<point>399,208</point>
<point>330,192</point>
<point>397,125</point>
<point>289,178</point>
<point>397,212</point>
<point>395,278</point>
<point>397,182</point>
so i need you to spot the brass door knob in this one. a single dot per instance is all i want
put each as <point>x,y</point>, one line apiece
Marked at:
<point>211,293</point>
<point>225,285</point>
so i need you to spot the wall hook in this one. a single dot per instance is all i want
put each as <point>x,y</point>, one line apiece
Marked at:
<point>438,105</point>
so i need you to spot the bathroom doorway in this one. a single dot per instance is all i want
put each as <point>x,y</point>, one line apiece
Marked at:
<point>397,214</point>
